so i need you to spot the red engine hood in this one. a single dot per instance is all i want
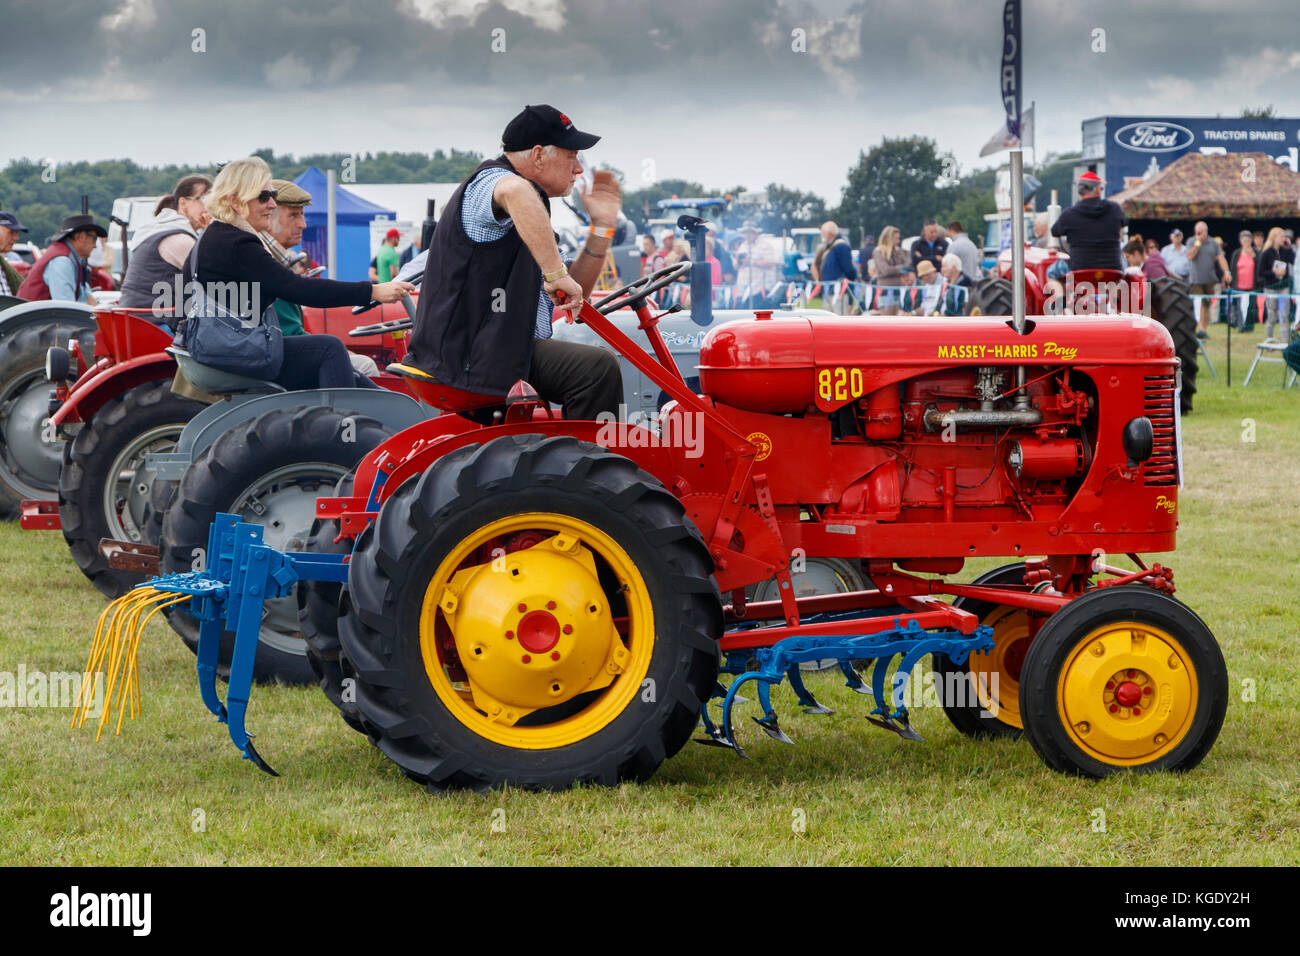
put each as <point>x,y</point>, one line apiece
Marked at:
<point>795,364</point>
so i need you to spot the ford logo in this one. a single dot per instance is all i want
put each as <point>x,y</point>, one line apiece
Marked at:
<point>1154,137</point>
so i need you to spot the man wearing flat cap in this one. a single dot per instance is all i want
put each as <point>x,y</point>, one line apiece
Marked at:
<point>495,279</point>
<point>63,272</point>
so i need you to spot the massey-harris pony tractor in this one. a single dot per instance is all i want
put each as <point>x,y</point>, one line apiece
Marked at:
<point>537,602</point>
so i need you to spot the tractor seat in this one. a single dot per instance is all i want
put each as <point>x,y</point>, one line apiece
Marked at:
<point>216,381</point>
<point>432,392</point>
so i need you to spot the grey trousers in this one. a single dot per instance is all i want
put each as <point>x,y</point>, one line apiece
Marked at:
<point>585,379</point>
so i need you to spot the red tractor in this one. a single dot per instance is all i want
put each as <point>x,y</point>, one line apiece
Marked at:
<point>539,602</point>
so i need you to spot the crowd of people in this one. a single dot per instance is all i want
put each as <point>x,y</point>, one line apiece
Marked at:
<point>1262,262</point>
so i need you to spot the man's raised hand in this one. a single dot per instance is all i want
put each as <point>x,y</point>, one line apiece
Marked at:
<point>604,199</point>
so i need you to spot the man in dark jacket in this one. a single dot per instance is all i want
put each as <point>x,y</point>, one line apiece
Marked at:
<point>1092,227</point>
<point>929,247</point>
<point>495,279</point>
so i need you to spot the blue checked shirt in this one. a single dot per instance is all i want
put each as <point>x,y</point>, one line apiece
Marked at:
<point>482,226</point>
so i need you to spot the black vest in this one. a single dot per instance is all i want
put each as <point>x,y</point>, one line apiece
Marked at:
<point>478,303</point>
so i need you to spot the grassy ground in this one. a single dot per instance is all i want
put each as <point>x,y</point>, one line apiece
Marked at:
<point>171,789</point>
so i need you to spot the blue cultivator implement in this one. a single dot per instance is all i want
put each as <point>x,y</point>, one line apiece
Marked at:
<point>242,573</point>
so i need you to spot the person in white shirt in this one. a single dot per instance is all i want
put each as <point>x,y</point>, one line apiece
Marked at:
<point>1175,256</point>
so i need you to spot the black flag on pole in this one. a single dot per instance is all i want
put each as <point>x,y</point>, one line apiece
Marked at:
<point>1011,65</point>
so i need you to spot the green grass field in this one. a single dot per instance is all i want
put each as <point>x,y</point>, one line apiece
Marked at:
<point>172,790</point>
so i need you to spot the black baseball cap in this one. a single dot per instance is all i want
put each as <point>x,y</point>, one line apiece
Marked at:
<point>10,220</point>
<point>544,125</point>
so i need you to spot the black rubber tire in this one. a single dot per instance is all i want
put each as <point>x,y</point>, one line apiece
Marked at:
<point>1061,635</point>
<point>963,709</point>
<point>318,614</point>
<point>1171,306</point>
<point>233,463</point>
<point>22,355</point>
<point>991,297</point>
<point>86,462</point>
<point>460,493</point>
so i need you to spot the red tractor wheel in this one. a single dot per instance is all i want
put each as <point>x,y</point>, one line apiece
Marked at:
<point>533,612</point>
<point>981,696</point>
<point>1123,678</point>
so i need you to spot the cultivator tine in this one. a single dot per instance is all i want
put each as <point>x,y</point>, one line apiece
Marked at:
<point>715,738</point>
<point>852,679</point>
<point>898,724</point>
<point>772,728</point>
<point>807,702</point>
<point>768,721</point>
<point>209,645</point>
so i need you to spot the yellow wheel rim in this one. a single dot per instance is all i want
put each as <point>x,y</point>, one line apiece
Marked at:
<point>996,675</point>
<point>1127,693</point>
<point>520,640</point>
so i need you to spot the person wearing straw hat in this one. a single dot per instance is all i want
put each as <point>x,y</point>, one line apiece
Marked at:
<point>1092,227</point>
<point>63,272</point>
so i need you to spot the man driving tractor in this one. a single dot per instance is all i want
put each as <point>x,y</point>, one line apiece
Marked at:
<point>1091,227</point>
<point>495,280</point>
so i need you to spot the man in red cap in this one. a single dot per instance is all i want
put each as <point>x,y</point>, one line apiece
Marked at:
<point>495,280</point>
<point>387,262</point>
<point>1091,227</point>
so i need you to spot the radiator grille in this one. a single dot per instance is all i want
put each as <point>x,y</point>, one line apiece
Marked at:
<point>1162,467</point>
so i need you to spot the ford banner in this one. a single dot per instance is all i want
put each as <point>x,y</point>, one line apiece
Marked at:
<point>1010,78</point>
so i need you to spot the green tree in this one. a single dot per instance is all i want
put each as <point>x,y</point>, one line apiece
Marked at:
<point>1057,172</point>
<point>1259,112</point>
<point>896,183</point>
<point>640,205</point>
<point>788,208</point>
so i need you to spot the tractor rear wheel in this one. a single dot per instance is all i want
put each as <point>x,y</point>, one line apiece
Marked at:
<point>981,696</point>
<point>535,612</point>
<point>318,613</point>
<point>104,486</point>
<point>269,471</point>
<point>1171,306</point>
<point>990,297</point>
<point>1123,678</point>
<point>29,463</point>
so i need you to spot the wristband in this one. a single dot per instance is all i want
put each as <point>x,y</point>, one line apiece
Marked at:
<point>594,255</point>
<point>601,232</point>
<point>559,273</point>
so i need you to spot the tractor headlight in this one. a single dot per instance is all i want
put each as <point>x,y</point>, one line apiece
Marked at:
<point>1139,440</point>
<point>57,363</point>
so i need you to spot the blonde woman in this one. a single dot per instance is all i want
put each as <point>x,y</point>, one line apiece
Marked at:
<point>1273,274</point>
<point>889,258</point>
<point>241,202</point>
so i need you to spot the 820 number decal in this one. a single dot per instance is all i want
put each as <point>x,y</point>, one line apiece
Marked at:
<point>839,384</point>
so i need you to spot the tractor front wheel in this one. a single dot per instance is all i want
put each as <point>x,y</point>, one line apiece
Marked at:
<point>535,612</point>
<point>1123,678</point>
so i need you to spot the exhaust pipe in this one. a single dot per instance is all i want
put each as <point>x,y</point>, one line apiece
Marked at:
<point>1018,265</point>
<point>979,418</point>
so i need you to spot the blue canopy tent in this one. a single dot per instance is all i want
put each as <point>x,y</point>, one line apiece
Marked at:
<point>352,217</point>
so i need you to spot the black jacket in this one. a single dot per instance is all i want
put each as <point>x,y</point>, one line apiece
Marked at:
<point>478,305</point>
<point>1264,277</point>
<point>934,251</point>
<point>1092,227</point>
<point>229,254</point>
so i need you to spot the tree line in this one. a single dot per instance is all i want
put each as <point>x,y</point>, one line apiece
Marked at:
<point>898,182</point>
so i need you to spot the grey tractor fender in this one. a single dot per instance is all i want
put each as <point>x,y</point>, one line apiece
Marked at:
<point>393,409</point>
<point>44,312</point>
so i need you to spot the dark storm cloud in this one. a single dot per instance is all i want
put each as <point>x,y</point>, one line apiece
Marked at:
<point>695,50</point>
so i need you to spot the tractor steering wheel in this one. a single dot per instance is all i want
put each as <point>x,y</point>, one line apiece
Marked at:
<point>638,290</point>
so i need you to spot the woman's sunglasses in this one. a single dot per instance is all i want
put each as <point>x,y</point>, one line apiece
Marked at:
<point>267,194</point>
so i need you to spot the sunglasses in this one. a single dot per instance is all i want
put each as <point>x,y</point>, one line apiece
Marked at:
<point>267,194</point>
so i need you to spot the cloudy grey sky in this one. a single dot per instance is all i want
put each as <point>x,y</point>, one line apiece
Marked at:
<point>709,90</point>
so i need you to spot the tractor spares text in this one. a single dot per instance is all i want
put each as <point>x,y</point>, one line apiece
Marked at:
<point>495,597</point>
